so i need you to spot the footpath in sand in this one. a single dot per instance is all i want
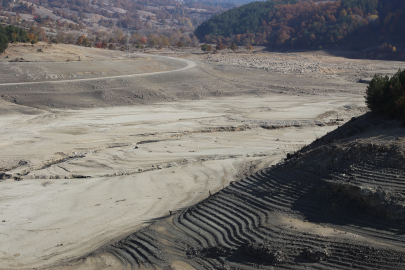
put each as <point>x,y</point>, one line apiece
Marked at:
<point>84,164</point>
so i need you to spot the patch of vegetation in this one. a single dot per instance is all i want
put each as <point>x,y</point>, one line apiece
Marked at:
<point>11,34</point>
<point>206,47</point>
<point>387,95</point>
<point>3,39</point>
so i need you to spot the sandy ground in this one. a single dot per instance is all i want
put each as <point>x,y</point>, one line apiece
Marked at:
<point>90,158</point>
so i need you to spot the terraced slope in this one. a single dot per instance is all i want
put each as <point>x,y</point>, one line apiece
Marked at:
<point>339,204</point>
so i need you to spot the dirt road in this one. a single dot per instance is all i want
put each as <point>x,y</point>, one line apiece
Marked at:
<point>182,64</point>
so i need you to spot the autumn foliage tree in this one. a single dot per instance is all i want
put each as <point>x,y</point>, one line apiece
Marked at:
<point>143,40</point>
<point>220,46</point>
<point>234,47</point>
<point>80,40</point>
<point>83,41</point>
<point>98,44</point>
<point>104,44</point>
<point>180,44</point>
<point>13,34</point>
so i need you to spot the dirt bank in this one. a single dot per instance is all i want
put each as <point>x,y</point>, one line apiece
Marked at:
<point>318,210</point>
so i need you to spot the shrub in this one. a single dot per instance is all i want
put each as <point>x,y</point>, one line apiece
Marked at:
<point>234,47</point>
<point>220,46</point>
<point>387,48</point>
<point>206,47</point>
<point>180,44</point>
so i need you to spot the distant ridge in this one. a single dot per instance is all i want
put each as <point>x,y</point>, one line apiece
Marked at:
<point>307,24</point>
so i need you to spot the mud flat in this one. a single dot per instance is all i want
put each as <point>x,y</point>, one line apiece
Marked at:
<point>88,160</point>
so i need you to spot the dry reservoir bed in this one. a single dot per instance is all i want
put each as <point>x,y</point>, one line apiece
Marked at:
<point>78,178</point>
<point>88,176</point>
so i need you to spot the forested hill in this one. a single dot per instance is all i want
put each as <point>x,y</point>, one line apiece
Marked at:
<point>307,24</point>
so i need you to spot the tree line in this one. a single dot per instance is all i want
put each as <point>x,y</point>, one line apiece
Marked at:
<point>387,95</point>
<point>12,34</point>
<point>306,24</point>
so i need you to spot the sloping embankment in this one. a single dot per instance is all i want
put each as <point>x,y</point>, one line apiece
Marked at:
<point>339,204</point>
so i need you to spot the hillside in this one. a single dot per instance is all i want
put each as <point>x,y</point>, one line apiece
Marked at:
<point>98,20</point>
<point>307,24</point>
